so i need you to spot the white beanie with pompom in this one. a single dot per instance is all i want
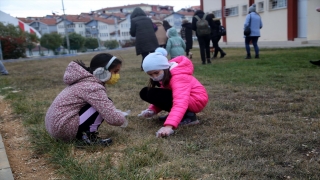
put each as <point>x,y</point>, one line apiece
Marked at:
<point>163,51</point>
<point>155,61</point>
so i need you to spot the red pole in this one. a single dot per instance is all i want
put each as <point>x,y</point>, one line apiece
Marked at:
<point>223,4</point>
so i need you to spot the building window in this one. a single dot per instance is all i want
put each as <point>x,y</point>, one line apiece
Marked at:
<point>277,4</point>
<point>260,6</point>
<point>244,9</point>
<point>217,13</point>
<point>232,11</point>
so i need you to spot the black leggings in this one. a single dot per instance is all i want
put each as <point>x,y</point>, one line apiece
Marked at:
<point>90,120</point>
<point>215,42</point>
<point>161,98</point>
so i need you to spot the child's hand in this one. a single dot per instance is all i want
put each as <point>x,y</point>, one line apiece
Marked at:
<point>164,131</point>
<point>147,113</point>
<point>124,113</point>
<point>125,124</point>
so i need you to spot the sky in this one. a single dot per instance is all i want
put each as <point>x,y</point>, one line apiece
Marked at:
<point>39,8</point>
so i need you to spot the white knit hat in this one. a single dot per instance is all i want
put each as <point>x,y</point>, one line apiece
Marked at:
<point>252,8</point>
<point>155,61</point>
<point>161,50</point>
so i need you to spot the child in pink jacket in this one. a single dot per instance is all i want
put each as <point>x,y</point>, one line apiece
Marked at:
<point>180,93</point>
<point>80,108</point>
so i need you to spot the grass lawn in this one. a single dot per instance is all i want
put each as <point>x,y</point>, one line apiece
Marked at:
<point>261,122</point>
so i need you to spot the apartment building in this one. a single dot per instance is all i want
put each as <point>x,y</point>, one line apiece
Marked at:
<point>129,8</point>
<point>100,28</point>
<point>44,26</point>
<point>74,23</point>
<point>175,19</point>
<point>283,20</point>
<point>124,29</point>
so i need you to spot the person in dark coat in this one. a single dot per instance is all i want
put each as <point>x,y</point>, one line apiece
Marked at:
<point>216,36</point>
<point>166,25</point>
<point>317,63</point>
<point>204,41</point>
<point>186,35</point>
<point>142,28</point>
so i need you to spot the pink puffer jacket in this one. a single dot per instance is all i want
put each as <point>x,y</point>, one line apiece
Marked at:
<point>188,92</point>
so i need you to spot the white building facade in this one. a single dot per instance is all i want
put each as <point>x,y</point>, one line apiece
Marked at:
<point>283,20</point>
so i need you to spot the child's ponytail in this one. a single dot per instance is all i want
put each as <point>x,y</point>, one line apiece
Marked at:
<point>82,65</point>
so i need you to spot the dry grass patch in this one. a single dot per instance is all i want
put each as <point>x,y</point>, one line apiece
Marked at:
<point>262,121</point>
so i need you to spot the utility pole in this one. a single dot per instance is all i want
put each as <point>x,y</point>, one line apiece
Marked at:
<point>116,27</point>
<point>65,28</point>
<point>1,57</point>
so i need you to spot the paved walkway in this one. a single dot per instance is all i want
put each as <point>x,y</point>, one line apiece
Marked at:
<point>5,170</point>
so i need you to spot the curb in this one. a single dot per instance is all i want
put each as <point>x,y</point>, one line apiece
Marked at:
<point>5,170</point>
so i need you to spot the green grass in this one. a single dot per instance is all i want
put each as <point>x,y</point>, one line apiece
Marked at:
<point>262,120</point>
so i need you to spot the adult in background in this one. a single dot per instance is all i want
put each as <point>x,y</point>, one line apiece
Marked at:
<point>3,70</point>
<point>161,34</point>
<point>255,26</point>
<point>316,62</point>
<point>186,35</point>
<point>203,40</point>
<point>166,25</point>
<point>142,28</point>
<point>216,36</point>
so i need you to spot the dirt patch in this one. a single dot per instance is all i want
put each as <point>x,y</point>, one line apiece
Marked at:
<point>23,162</point>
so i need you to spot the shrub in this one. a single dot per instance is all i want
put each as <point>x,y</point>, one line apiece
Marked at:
<point>13,47</point>
<point>91,43</point>
<point>128,43</point>
<point>111,44</point>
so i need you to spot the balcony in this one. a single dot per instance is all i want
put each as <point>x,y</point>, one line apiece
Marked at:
<point>69,30</point>
<point>92,31</point>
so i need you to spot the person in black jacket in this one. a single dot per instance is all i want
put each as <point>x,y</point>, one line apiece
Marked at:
<point>204,41</point>
<point>142,28</point>
<point>216,36</point>
<point>166,25</point>
<point>186,35</point>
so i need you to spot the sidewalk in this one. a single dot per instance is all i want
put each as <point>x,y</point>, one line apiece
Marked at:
<point>5,170</point>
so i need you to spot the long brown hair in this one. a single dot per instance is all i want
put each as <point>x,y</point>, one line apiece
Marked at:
<point>165,81</point>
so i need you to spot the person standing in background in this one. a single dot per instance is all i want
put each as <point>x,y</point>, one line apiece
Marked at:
<point>166,25</point>
<point>186,35</point>
<point>204,41</point>
<point>216,36</point>
<point>175,45</point>
<point>316,62</point>
<point>142,28</point>
<point>254,19</point>
<point>3,70</point>
<point>161,34</point>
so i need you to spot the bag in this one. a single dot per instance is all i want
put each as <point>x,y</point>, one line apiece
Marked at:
<point>155,27</point>
<point>203,27</point>
<point>222,31</point>
<point>247,30</point>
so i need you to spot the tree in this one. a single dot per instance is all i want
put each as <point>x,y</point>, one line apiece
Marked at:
<point>13,41</point>
<point>76,41</point>
<point>91,43</point>
<point>51,41</point>
<point>31,41</point>
<point>112,44</point>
